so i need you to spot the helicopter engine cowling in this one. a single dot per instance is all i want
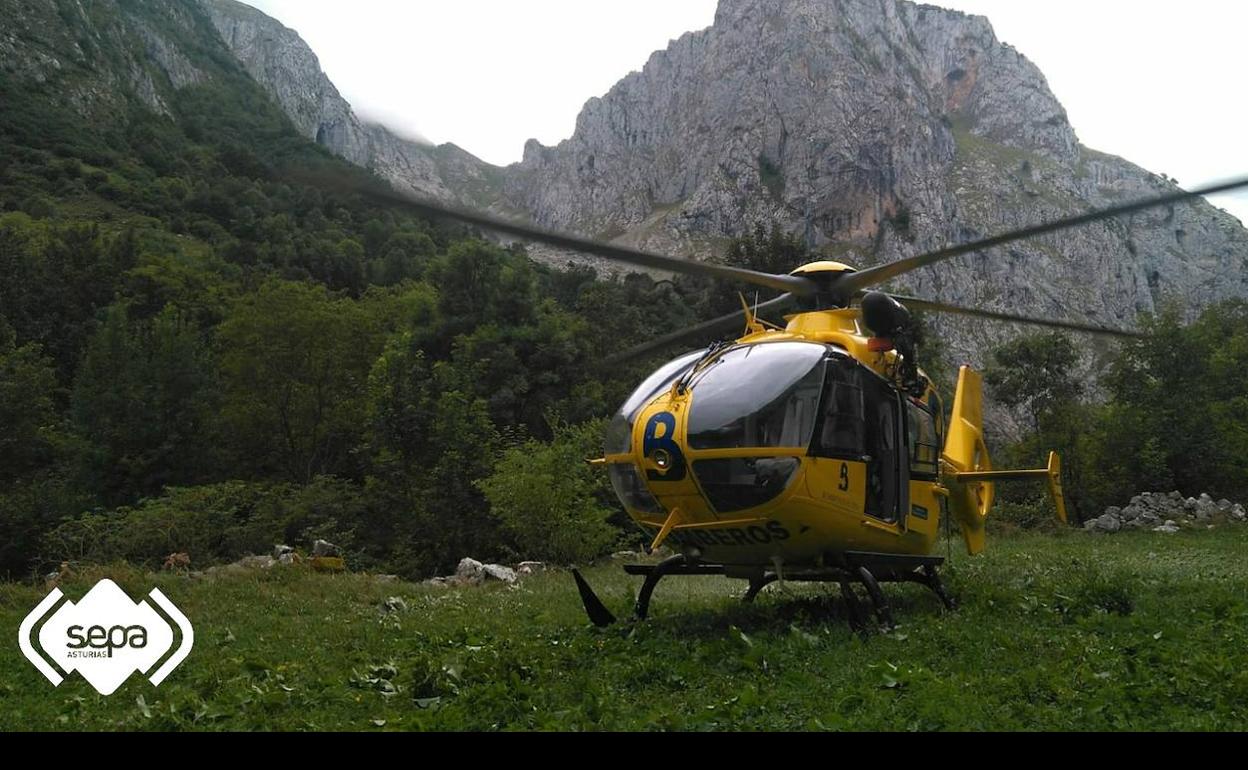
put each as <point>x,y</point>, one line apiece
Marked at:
<point>883,315</point>
<point>889,319</point>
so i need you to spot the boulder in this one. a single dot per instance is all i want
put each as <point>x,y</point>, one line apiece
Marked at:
<point>530,567</point>
<point>499,572</point>
<point>1167,512</point>
<point>1106,523</point>
<point>393,604</point>
<point>324,548</point>
<point>469,571</point>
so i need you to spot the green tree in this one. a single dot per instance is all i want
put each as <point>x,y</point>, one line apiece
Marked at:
<point>768,250</point>
<point>56,278</point>
<point>1035,373</point>
<point>1179,399</point>
<point>522,371</point>
<point>765,250</point>
<point>294,363</point>
<point>468,445</point>
<point>479,283</point>
<point>143,398</point>
<point>32,427</point>
<point>1176,416</point>
<point>401,408</point>
<point>429,445</point>
<point>35,492</point>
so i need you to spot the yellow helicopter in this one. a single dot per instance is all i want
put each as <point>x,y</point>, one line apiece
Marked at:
<point>816,451</point>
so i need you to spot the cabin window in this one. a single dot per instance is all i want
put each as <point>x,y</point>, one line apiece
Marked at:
<point>924,441</point>
<point>886,466</point>
<point>842,431</point>
<point>738,483</point>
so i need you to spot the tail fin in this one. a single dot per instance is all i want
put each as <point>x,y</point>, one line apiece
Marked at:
<point>969,475</point>
<point>965,452</point>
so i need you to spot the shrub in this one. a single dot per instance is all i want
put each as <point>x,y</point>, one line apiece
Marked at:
<point>213,523</point>
<point>550,501</point>
<point>1032,514</point>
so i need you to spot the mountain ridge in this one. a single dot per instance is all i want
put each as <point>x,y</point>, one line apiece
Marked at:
<point>845,121</point>
<point>875,129</point>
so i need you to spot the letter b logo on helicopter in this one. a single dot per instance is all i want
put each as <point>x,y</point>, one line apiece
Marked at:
<point>659,444</point>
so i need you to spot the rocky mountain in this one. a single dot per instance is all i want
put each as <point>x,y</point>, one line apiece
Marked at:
<point>97,56</point>
<point>877,129</point>
<point>881,129</point>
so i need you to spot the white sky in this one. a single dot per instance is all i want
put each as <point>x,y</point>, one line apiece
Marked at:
<point>1158,82</point>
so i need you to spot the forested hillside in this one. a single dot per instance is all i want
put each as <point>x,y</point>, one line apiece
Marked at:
<point>194,339</point>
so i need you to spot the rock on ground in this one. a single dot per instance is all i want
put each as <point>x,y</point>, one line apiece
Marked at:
<point>1166,512</point>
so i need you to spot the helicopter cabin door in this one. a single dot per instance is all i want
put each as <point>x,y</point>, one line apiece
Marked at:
<point>888,481</point>
<point>863,421</point>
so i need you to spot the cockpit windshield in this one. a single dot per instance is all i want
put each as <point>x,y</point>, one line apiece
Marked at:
<point>763,395</point>
<point>620,430</point>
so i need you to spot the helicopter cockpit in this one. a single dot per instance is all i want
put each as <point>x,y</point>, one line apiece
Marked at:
<point>781,401</point>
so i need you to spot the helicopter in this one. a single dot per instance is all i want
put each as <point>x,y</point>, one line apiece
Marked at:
<point>816,451</point>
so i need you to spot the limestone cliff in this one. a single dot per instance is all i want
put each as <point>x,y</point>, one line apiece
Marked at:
<point>881,128</point>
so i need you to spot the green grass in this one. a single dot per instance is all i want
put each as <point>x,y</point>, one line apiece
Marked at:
<point>1070,631</point>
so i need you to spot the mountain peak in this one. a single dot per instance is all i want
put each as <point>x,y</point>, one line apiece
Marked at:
<point>888,128</point>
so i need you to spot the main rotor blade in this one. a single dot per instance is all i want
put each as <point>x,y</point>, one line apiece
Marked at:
<point>852,282</point>
<point>786,283</point>
<point>916,303</point>
<point>733,321</point>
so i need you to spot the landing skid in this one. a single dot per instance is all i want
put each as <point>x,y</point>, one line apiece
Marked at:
<point>849,569</point>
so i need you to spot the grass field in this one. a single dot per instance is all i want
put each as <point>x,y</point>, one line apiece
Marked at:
<point>1069,631</point>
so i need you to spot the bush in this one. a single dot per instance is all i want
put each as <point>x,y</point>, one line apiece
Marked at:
<point>1032,514</point>
<point>28,509</point>
<point>550,501</point>
<point>213,524</point>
